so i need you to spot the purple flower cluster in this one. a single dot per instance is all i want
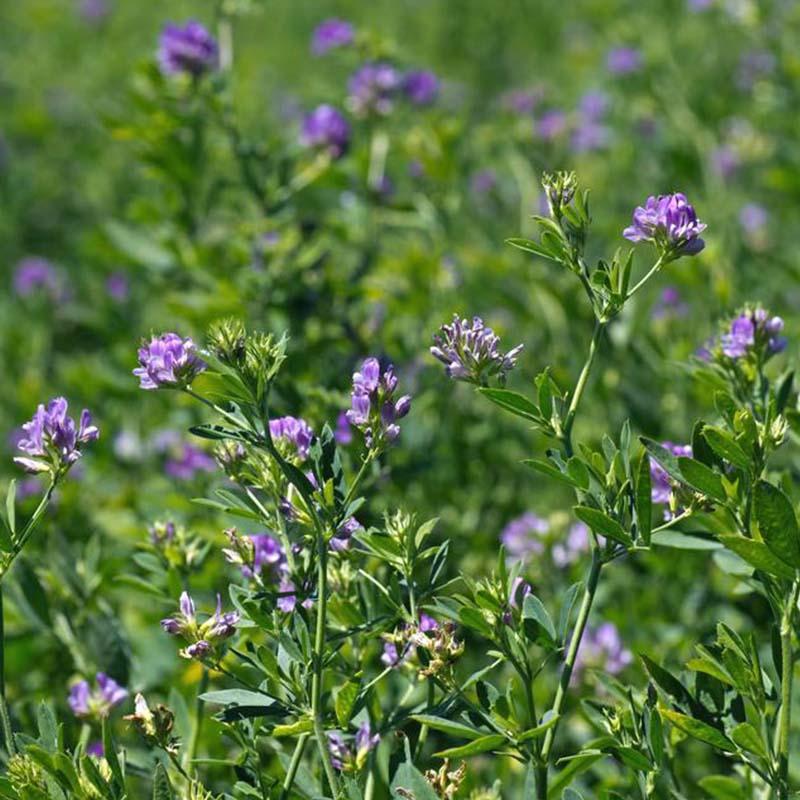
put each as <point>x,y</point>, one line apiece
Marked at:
<point>669,304</point>
<point>551,124</point>
<point>373,409</point>
<point>661,483</point>
<point>203,639</point>
<point>52,441</point>
<point>752,331</point>
<point>397,650</point>
<point>470,352</point>
<point>33,274</point>
<point>670,222</point>
<point>190,461</point>
<point>168,362</point>
<point>522,536</point>
<point>188,49</point>
<point>96,703</point>
<point>602,647</point>
<point>326,128</point>
<point>344,757</point>
<point>623,60</point>
<point>421,87</point>
<point>590,133</point>
<point>294,432</point>
<point>577,543</point>
<point>330,35</point>
<point>374,87</point>
<point>521,101</point>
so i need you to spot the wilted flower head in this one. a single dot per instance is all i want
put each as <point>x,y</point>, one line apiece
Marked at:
<point>168,362</point>
<point>187,48</point>
<point>373,88</point>
<point>522,536</point>
<point>293,432</point>
<point>330,34</point>
<point>471,352</point>
<point>421,87</point>
<point>326,128</point>
<point>623,60</point>
<point>52,441</point>
<point>154,725</point>
<point>670,223</point>
<point>96,702</point>
<point>446,782</point>
<point>203,639</point>
<point>373,409</point>
<point>33,274</point>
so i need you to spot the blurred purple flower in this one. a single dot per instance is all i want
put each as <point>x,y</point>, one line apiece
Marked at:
<point>33,274</point>
<point>623,60</point>
<point>602,648</point>
<point>343,433</point>
<point>331,34</point>
<point>421,87</point>
<point>98,702</point>
<point>725,161</point>
<point>522,536</point>
<point>117,286</point>
<point>753,218</point>
<point>94,11</point>
<point>593,105</point>
<point>191,461</point>
<point>521,101</point>
<point>95,749</point>
<point>661,483</point>
<point>326,128</point>
<point>551,124</point>
<point>577,542</point>
<point>754,65</point>
<point>669,304</point>
<point>189,48</point>
<point>340,541</point>
<point>373,87</point>
<point>483,181</point>
<point>168,361</point>
<point>589,136</point>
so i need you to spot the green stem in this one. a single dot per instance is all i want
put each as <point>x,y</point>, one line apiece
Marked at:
<point>787,674</point>
<point>191,750</point>
<point>21,540</point>
<point>319,654</point>
<point>294,765</point>
<point>358,478</point>
<point>655,268</point>
<point>569,421</point>
<point>2,647</point>
<point>569,664</point>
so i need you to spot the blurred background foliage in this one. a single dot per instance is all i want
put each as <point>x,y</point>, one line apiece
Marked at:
<point>160,206</point>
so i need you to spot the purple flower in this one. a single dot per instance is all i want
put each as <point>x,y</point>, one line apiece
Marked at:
<point>577,542</point>
<point>117,287</point>
<point>521,101</point>
<point>589,136</point>
<point>52,441</point>
<point>421,87</point>
<point>203,639</point>
<point>391,656</point>
<point>725,161</point>
<point>593,105</point>
<point>168,361</point>
<point>343,433</point>
<point>343,757</point>
<point>95,749</point>
<point>268,556</point>
<point>522,536</point>
<point>365,740</point>
<point>471,352</point>
<point>340,541</point>
<point>623,60</point>
<point>483,181</point>
<point>669,222</point>
<point>191,461</point>
<point>750,329</point>
<point>326,128</point>
<point>33,274</point>
<point>427,623</point>
<point>373,88</point>
<point>754,65</point>
<point>331,34</point>
<point>98,702</point>
<point>373,409</point>
<point>293,431</point>
<point>551,124</point>
<point>94,11</point>
<point>602,648</point>
<point>753,218</point>
<point>187,49</point>
<point>661,483</point>
<point>669,304</point>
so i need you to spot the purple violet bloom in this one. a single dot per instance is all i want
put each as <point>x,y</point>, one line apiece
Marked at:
<point>471,352</point>
<point>295,432</point>
<point>577,543</point>
<point>203,639</point>
<point>373,88</point>
<point>189,49</point>
<point>421,87</point>
<point>669,304</point>
<point>661,483</point>
<point>327,129</point>
<point>483,181</point>
<point>753,218</point>
<point>95,749</point>
<point>117,287</point>
<point>754,65</point>
<point>52,440</point>
<point>725,161</point>
<point>602,647</point>
<point>521,101</point>
<point>340,541</point>
<point>593,105</point>
<point>268,557</point>
<point>168,361</point>
<point>623,60</point>
<point>191,461</point>
<point>373,409</point>
<point>98,702</point>
<point>94,12</point>
<point>750,329</point>
<point>669,222</point>
<point>330,35</point>
<point>33,274</point>
<point>343,433</point>
<point>551,124</point>
<point>522,536</point>
<point>589,136</point>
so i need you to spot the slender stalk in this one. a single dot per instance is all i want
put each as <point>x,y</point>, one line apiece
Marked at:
<point>351,492</point>
<point>319,653</point>
<point>191,750</point>
<point>569,421</point>
<point>294,765</point>
<point>21,540</point>
<point>655,268</point>
<point>787,675</point>
<point>2,646</point>
<point>566,671</point>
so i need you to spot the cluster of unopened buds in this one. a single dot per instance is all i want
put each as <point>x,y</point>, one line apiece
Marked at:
<point>174,544</point>
<point>440,646</point>
<point>204,640</point>
<point>154,725</point>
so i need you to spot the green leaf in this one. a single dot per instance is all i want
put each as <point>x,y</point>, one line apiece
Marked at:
<point>344,702</point>
<point>539,730</point>
<point>514,402</point>
<point>482,745</point>
<point>663,456</point>
<point>726,447</point>
<point>702,478</point>
<point>161,786</point>
<point>758,555</point>
<point>239,697</point>
<point>777,522</point>
<point>410,779</point>
<point>684,541</point>
<point>11,514</point>
<point>748,738</point>
<point>644,499</point>
<point>571,794</point>
<point>548,469</point>
<point>699,730</point>
<point>577,764</point>
<point>530,246</point>
<point>140,247</point>
<point>721,787</point>
<point>532,608</point>
<point>448,726</point>
<point>603,524</point>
